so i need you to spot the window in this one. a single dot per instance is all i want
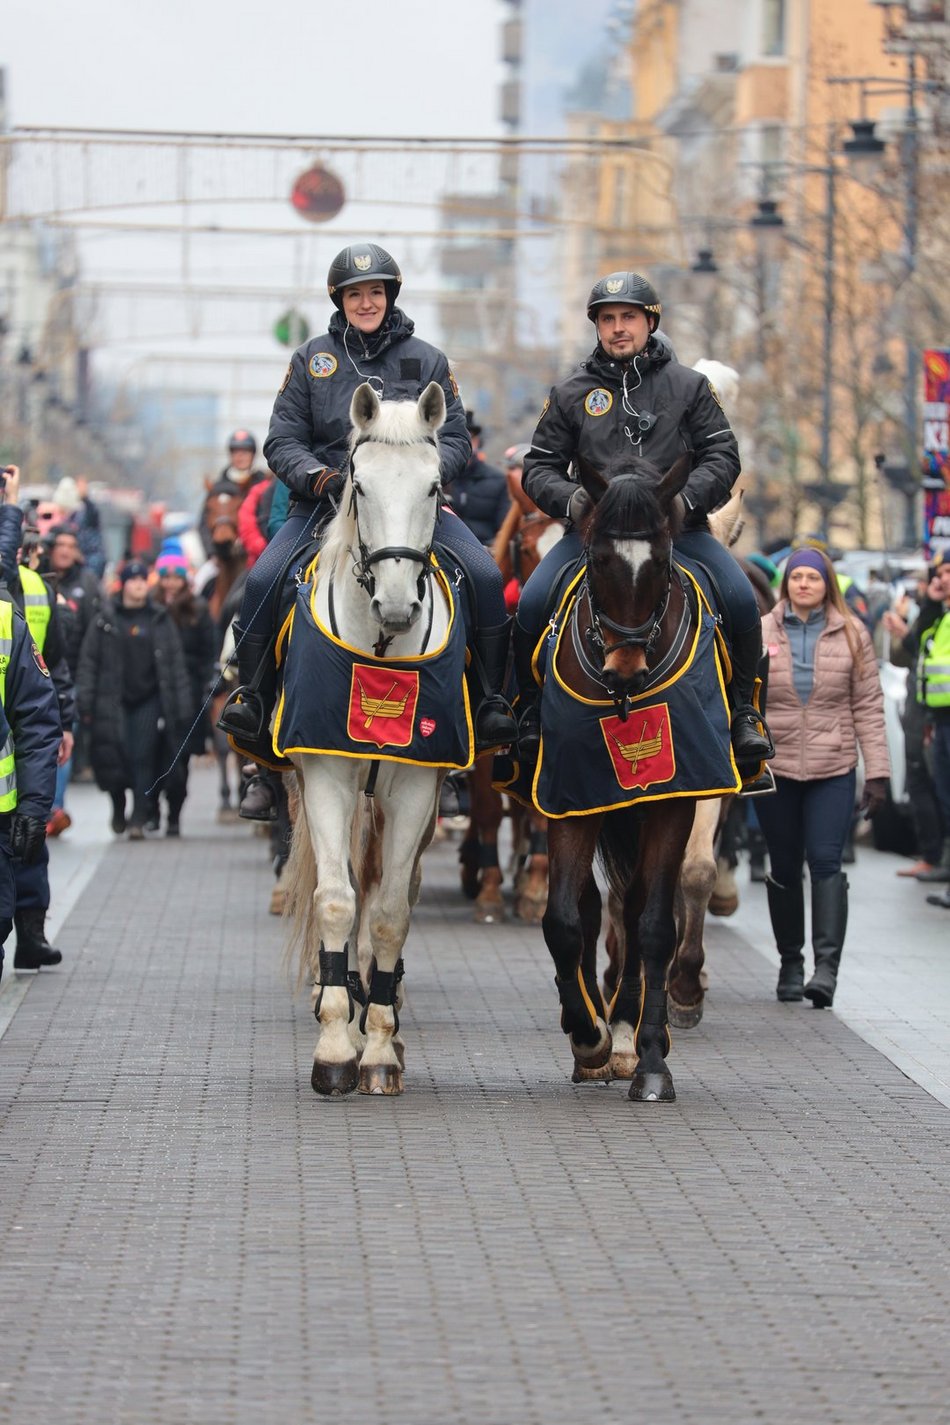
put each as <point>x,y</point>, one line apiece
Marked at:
<point>773,27</point>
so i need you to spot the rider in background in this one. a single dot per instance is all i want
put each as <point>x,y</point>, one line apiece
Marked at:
<point>238,477</point>
<point>632,396</point>
<point>307,447</point>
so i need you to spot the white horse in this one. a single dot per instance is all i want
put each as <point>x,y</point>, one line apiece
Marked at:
<point>382,534</point>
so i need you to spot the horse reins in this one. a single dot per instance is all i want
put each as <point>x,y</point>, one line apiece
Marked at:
<point>363,567</point>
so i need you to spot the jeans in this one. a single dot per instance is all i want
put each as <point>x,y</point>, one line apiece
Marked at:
<point>807,821</point>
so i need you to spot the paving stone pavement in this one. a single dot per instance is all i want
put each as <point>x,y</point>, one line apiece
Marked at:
<point>190,1235</point>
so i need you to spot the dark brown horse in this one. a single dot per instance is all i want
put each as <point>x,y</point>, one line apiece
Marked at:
<point>632,616</point>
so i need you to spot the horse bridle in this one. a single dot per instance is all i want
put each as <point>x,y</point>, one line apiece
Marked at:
<point>363,567</point>
<point>644,635</point>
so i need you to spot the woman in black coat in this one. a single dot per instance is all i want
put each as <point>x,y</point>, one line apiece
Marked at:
<point>134,695</point>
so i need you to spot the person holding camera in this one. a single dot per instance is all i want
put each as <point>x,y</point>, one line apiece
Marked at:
<point>632,397</point>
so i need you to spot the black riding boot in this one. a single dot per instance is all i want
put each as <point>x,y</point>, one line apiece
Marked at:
<point>787,914</point>
<point>33,950</point>
<point>258,797</point>
<point>829,920</point>
<point>495,724</point>
<point>529,695</point>
<point>247,711</point>
<point>751,739</point>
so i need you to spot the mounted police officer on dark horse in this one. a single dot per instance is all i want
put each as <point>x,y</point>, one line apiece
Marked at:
<point>369,339</point>
<point>631,395</point>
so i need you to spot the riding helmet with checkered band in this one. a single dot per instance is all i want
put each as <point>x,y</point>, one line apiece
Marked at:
<point>627,287</point>
<point>363,262</point>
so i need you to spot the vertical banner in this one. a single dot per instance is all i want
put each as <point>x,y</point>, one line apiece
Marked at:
<point>936,447</point>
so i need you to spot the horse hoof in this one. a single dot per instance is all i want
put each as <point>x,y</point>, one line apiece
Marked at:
<point>723,906</point>
<point>334,1080</point>
<point>652,1088</point>
<point>685,1016</point>
<point>530,909</point>
<point>623,1066</point>
<point>584,1075</point>
<point>380,1079</point>
<point>489,913</point>
<point>593,1056</point>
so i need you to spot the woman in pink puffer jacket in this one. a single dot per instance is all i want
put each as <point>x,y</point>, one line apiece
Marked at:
<point>824,701</point>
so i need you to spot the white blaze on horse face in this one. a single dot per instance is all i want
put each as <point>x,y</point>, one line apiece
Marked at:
<point>630,662</point>
<point>397,507</point>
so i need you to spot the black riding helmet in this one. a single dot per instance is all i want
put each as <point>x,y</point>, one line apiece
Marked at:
<point>243,440</point>
<point>627,287</point>
<point>363,262</point>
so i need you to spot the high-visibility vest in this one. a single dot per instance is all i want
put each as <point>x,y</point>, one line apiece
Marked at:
<point>933,666</point>
<point>36,606</point>
<point>7,763</point>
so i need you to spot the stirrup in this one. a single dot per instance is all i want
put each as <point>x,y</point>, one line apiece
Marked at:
<point>243,714</point>
<point>495,724</point>
<point>761,786</point>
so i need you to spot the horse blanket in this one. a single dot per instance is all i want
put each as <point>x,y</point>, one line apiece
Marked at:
<point>342,701</point>
<point>674,741</point>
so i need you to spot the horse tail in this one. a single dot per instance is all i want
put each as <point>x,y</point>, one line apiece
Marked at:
<point>300,879</point>
<point>617,847</point>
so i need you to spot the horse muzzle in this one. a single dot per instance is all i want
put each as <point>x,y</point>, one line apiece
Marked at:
<point>622,678</point>
<point>395,618</point>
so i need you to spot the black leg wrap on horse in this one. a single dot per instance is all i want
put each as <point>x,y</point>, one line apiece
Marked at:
<point>576,1017</point>
<point>383,989</point>
<point>487,855</point>
<point>538,843</point>
<point>654,1016</point>
<point>334,975</point>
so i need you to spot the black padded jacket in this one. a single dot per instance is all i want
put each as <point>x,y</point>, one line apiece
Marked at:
<point>310,424</point>
<point>669,409</point>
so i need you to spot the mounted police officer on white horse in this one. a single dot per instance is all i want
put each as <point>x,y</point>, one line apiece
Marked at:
<point>369,339</point>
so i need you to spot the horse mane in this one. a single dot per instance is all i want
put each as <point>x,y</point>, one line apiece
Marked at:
<point>629,502</point>
<point>396,423</point>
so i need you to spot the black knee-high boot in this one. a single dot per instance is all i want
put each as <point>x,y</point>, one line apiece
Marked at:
<point>529,695</point>
<point>247,711</point>
<point>829,921</point>
<point>495,724</point>
<point>787,914</point>
<point>751,739</point>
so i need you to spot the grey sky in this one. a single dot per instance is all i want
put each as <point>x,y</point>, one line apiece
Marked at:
<point>398,66</point>
<point>381,67</point>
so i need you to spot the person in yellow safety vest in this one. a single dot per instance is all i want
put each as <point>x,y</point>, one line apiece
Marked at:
<point>932,636</point>
<point>30,737</point>
<point>37,603</point>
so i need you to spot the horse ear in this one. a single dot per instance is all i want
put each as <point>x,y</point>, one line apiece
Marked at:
<point>675,478</point>
<point>364,406</point>
<point>591,479</point>
<point>431,406</point>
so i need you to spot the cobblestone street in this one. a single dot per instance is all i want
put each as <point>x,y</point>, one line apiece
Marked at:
<point>191,1235</point>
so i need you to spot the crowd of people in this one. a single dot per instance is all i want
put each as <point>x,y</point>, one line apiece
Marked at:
<point>124,671</point>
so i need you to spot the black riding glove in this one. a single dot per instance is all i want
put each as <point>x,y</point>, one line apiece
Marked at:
<point>27,834</point>
<point>328,484</point>
<point>578,506</point>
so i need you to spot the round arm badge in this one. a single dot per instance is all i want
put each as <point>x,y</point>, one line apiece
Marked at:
<point>598,402</point>
<point>322,364</point>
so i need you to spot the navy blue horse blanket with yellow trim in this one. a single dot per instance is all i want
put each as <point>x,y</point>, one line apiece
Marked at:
<point>343,701</point>
<point>674,741</point>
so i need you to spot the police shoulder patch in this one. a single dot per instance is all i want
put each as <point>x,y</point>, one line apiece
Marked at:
<point>322,364</point>
<point>38,660</point>
<point>544,408</point>
<point>598,402</point>
<point>715,394</point>
<point>286,381</point>
<point>453,383</point>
